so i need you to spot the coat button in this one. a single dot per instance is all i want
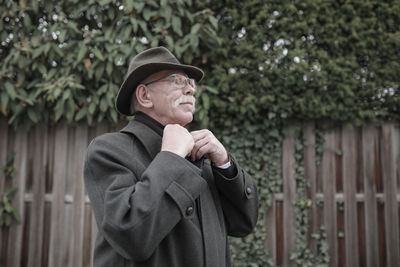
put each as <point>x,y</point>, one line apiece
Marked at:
<point>248,190</point>
<point>189,211</point>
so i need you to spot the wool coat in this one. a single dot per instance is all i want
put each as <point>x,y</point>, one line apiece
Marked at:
<point>156,209</point>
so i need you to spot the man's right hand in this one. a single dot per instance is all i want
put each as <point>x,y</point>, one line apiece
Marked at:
<point>177,139</point>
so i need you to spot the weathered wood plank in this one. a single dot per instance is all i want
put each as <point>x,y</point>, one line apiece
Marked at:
<point>289,192</point>
<point>389,155</point>
<point>14,249</point>
<point>3,161</point>
<point>349,187</point>
<point>370,151</point>
<point>76,245</point>
<point>310,173</point>
<point>38,191</point>
<point>270,223</point>
<point>57,249</point>
<point>328,173</point>
<point>3,151</point>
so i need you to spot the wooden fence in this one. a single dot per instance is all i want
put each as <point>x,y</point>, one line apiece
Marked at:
<point>359,189</point>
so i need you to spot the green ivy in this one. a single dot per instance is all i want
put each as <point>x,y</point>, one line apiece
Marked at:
<point>7,211</point>
<point>304,255</point>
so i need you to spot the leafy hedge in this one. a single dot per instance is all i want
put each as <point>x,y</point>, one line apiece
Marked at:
<point>67,59</point>
<point>307,60</point>
<point>267,63</point>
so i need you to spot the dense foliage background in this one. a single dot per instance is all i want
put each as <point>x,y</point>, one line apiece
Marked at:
<point>267,63</point>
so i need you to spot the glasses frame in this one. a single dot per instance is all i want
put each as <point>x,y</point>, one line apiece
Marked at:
<point>187,80</point>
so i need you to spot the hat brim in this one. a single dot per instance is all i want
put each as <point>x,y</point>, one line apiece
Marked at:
<point>123,100</point>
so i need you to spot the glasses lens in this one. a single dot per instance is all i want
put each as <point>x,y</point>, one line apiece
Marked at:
<point>192,83</point>
<point>181,81</point>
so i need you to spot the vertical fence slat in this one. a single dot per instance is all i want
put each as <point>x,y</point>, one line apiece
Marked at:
<point>76,248</point>
<point>289,193</point>
<point>369,154</point>
<point>3,161</point>
<point>270,222</point>
<point>14,250</point>
<point>389,154</point>
<point>310,172</point>
<point>57,244</point>
<point>3,152</point>
<point>38,190</point>
<point>329,189</point>
<point>349,186</point>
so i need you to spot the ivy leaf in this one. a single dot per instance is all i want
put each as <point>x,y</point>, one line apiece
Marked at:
<point>177,25</point>
<point>17,217</point>
<point>114,115</point>
<point>4,102</point>
<point>147,13</point>
<point>129,4</point>
<point>213,22</point>
<point>92,108</point>
<point>98,54</point>
<point>11,193</point>
<point>194,41</point>
<point>37,52</point>
<point>33,115</point>
<point>103,104</point>
<point>170,41</point>
<point>195,28</point>
<point>138,6</point>
<point>211,90</point>
<point>205,101</point>
<point>105,2</point>
<point>109,68</point>
<point>10,90</point>
<point>82,113</point>
<point>81,53</point>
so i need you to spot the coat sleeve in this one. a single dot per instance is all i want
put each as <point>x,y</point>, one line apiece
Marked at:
<point>239,200</point>
<point>134,214</point>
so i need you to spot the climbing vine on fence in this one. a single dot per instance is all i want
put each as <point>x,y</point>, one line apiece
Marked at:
<point>8,213</point>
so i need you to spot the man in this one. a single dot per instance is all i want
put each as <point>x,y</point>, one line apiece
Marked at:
<point>163,196</point>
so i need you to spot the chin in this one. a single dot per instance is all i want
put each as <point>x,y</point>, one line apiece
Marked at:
<point>185,119</point>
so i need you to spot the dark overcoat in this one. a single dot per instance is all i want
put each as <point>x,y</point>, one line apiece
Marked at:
<point>155,208</point>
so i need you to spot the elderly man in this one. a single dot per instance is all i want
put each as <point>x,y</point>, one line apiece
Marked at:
<point>161,195</point>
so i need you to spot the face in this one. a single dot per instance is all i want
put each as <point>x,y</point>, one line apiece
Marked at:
<point>171,105</point>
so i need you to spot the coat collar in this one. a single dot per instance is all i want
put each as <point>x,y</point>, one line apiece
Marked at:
<point>148,137</point>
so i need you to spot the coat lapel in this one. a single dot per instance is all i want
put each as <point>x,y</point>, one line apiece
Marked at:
<point>149,138</point>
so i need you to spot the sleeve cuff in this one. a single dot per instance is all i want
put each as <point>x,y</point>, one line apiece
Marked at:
<point>225,166</point>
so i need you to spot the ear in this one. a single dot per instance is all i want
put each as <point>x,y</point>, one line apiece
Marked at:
<point>143,96</point>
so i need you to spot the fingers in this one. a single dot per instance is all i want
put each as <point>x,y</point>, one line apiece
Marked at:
<point>201,147</point>
<point>200,134</point>
<point>201,138</point>
<point>206,144</point>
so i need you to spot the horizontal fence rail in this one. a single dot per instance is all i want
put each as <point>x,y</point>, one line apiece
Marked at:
<point>354,191</point>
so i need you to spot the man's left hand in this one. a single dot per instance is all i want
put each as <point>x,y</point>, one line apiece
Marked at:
<point>206,144</point>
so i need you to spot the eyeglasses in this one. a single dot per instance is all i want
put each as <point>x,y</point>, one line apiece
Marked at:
<point>178,80</point>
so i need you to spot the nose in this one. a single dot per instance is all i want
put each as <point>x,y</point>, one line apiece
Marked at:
<point>189,90</point>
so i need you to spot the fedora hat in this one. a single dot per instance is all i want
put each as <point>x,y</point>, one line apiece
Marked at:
<point>143,65</point>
